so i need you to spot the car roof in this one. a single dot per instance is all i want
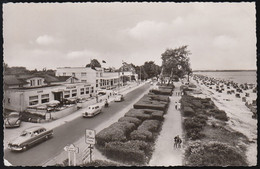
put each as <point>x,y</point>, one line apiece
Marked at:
<point>33,128</point>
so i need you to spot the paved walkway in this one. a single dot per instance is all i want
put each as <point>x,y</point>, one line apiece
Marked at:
<point>164,153</point>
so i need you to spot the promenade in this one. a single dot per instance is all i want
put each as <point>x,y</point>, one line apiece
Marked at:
<point>165,154</point>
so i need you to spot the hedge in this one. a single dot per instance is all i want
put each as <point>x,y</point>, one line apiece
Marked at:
<point>143,135</point>
<point>133,120</point>
<point>116,132</point>
<point>150,125</point>
<point>188,111</point>
<point>155,105</point>
<point>214,154</point>
<point>219,114</point>
<point>132,151</point>
<point>167,92</point>
<point>140,114</point>
<point>155,97</point>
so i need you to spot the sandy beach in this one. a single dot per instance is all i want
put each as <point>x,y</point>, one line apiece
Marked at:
<point>240,116</point>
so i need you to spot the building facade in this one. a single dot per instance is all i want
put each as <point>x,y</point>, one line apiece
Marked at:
<point>21,93</point>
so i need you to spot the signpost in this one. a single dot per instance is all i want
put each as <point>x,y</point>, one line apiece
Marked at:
<point>69,149</point>
<point>90,140</point>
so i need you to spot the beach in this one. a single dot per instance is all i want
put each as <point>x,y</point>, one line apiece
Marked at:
<point>240,116</point>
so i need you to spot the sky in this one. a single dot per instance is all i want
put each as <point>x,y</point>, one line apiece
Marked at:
<point>50,35</point>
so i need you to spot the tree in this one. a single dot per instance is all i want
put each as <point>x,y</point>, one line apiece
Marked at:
<point>151,69</point>
<point>176,62</point>
<point>93,63</point>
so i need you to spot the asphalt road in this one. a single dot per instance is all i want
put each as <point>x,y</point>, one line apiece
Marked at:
<point>68,133</point>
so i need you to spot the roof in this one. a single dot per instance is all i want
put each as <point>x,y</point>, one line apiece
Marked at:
<point>13,80</point>
<point>65,78</point>
<point>33,128</point>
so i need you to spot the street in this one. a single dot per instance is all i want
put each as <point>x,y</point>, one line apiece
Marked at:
<point>68,133</point>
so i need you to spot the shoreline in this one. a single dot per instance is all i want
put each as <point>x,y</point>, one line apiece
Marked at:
<point>240,116</point>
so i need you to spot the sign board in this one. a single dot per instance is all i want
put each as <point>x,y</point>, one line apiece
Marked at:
<point>71,148</point>
<point>90,136</point>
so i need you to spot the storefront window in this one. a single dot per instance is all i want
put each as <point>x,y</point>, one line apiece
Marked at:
<point>83,74</point>
<point>33,100</point>
<point>74,93</point>
<point>45,98</point>
<point>87,90</point>
<point>82,91</point>
<point>66,94</point>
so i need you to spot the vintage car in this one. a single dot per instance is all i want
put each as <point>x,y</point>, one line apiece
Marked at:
<point>13,119</point>
<point>92,110</point>
<point>29,137</point>
<point>119,98</point>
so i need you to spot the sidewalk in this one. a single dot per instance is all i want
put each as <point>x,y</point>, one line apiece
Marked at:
<point>164,153</point>
<point>10,134</point>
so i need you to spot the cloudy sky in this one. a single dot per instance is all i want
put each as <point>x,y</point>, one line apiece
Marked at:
<point>219,35</point>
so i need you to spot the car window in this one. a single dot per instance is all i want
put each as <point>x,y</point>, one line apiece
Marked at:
<point>24,133</point>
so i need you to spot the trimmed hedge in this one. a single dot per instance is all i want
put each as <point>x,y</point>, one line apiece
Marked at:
<point>115,132</point>
<point>155,105</point>
<point>150,125</point>
<point>140,114</point>
<point>152,96</point>
<point>143,135</point>
<point>132,151</point>
<point>134,120</point>
<point>188,111</point>
<point>167,92</point>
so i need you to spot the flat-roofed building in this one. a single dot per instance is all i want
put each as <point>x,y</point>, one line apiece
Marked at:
<point>23,91</point>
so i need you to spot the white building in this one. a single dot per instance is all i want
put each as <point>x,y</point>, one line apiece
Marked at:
<point>22,92</point>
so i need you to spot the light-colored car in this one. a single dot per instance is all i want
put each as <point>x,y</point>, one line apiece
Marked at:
<point>92,111</point>
<point>29,137</point>
<point>119,98</point>
<point>13,119</point>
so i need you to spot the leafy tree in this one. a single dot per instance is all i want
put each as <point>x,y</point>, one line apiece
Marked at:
<point>15,70</point>
<point>176,62</point>
<point>141,72</point>
<point>93,63</point>
<point>151,69</point>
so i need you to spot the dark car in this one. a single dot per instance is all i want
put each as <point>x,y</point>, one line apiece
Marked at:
<point>13,119</point>
<point>29,137</point>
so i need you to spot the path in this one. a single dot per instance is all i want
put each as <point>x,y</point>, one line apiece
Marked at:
<point>164,153</point>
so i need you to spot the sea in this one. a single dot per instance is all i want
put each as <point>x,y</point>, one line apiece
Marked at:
<point>240,77</point>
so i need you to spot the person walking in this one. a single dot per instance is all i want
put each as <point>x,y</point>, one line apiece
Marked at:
<point>175,141</point>
<point>175,104</point>
<point>178,105</point>
<point>179,142</point>
<point>97,98</point>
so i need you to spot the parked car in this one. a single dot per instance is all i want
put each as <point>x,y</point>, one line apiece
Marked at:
<point>92,110</point>
<point>119,98</point>
<point>13,119</point>
<point>29,137</point>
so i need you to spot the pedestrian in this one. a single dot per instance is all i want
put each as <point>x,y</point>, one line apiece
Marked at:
<point>176,141</point>
<point>179,142</point>
<point>176,105</point>
<point>97,98</point>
